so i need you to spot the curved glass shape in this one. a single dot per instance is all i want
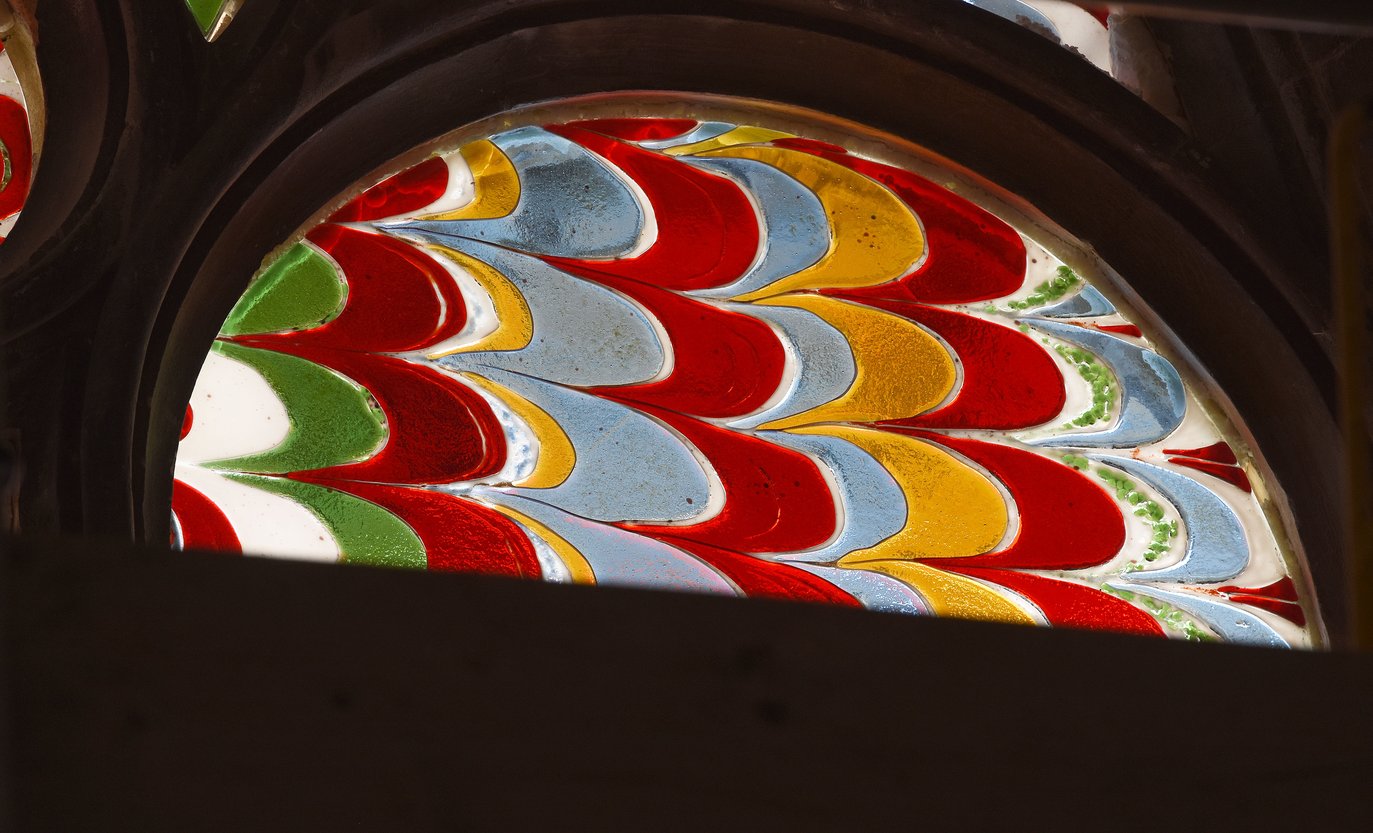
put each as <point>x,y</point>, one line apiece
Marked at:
<point>17,139</point>
<point>715,345</point>
<point>1085,32</point>
<point>212,17</point>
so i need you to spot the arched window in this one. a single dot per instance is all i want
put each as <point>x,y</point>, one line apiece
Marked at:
<point>802,329</point>
<point>724,346</point>
<point>19,87</point>
<point>900,308</point>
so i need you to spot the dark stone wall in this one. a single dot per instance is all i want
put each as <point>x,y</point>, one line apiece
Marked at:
<point>154,692</point>
<point>1260,104</point>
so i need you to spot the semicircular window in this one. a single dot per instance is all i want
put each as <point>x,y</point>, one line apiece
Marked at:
<point>17,140</point>
<point>723,347</point>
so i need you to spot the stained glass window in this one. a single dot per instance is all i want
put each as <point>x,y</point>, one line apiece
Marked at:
<point>212,16</point>
<point>723,346</point>
<point>1116,43</point>
<point>16,138</point>
<point>1086,32</point>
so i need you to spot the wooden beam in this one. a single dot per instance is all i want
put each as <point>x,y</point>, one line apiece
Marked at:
<point>150,691</point>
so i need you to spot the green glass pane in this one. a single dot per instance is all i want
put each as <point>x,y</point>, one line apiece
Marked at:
<point>332,420</point>
<point>366,533</point>
<point>300,289</point>
<point>206,12</point>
